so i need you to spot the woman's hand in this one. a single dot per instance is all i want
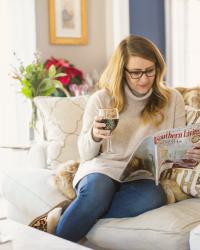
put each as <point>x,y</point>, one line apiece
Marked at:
<point>194,153</point>
<point>98,131</point>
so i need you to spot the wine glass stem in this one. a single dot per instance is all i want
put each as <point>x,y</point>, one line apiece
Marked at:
<point>109,146</point>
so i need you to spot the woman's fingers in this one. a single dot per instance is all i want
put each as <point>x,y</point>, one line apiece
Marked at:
<point>97,122</point>
<point>100,133</point>
<point>98,129</point>
<point>197,145</point>
<point>194,153</point>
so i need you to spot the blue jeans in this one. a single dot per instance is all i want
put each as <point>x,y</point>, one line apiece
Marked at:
<point>99,196</point>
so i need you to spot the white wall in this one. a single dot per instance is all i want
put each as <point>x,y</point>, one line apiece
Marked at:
<point>87,57</point>
<point>108,24</point>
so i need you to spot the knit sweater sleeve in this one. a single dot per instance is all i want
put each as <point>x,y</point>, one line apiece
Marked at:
<point>88,148</point>
<point>179,115</point>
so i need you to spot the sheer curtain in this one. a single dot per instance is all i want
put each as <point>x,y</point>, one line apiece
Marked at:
<point>17,25</point>
<point>182,42</point>
<point>117,24</point>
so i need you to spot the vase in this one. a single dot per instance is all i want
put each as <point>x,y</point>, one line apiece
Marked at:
<point>31,134</point>
<point>32,123</point>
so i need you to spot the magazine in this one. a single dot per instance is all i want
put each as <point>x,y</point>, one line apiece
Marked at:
<point>165,149</point>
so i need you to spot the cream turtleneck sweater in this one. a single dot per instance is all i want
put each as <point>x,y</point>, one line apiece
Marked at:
<point>125,138</point>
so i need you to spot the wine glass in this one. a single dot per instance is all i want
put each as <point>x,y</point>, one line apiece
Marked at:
<point>110,116</point>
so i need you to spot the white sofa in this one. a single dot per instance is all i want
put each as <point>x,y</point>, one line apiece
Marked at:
<point>30,191</point>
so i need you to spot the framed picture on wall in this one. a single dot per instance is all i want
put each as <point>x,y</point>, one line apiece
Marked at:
<point>68,21</point>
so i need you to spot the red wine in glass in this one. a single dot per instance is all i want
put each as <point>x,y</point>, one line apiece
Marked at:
<point>111,124</point>
<point>110,116</point>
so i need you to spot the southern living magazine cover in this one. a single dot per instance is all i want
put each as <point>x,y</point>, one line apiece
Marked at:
<point>165,149</point>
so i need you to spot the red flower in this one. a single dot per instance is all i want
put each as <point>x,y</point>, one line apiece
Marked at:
<point>73,75</point>
<point>57,63</point>
<point>65,80</point>
<point>73,72</point>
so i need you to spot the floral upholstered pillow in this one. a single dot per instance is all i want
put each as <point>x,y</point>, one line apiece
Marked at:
<point>192,115</point>
<point>62,122</point>
<point>188,179</point>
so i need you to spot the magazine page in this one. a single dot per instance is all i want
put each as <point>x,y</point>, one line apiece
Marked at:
<point>172,146</point>
<point>142,161</point>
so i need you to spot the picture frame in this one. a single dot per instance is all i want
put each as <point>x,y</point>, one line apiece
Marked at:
<point>68,22</point>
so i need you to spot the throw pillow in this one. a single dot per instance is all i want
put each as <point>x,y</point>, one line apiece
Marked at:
<point>188,179</point>
<point>62,122</point>
<point>192,115</point>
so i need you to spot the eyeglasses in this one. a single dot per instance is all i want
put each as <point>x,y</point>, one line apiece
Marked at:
<point>137,74</point>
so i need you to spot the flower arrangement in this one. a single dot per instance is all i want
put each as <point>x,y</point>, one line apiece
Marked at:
<point>73,81</point>
<point>36,80</point>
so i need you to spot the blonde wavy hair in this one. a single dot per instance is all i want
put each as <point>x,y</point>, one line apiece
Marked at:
<point>113,77</point>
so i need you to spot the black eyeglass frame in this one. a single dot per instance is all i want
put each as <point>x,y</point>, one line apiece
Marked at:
<point>141,73</point>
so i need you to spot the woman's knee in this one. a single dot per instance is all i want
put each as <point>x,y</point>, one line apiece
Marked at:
<point>156,196</point>
<point>96,190</point>
<point>160,198</point>
<point>95,182</point>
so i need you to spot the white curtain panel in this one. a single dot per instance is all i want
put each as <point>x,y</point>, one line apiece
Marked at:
<point>117,23</point>
<point>182,42</point>
<point>17,25</point>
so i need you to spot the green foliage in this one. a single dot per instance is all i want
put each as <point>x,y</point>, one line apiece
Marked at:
<point>36,80</point>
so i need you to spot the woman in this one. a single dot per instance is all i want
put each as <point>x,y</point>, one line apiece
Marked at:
<point>133,83</point>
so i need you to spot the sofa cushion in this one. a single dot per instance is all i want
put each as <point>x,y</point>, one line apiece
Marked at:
<point>164,228</point>
<point>62,121</point>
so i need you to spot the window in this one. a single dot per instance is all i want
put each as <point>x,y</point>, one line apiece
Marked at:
<point>182,42</point>
<point>17,25</point>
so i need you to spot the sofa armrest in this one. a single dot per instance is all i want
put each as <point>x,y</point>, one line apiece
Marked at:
<point>34,155</point>
<point>12,156</point>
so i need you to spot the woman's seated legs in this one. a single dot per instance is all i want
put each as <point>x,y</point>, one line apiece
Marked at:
<point>94,195</point>
<point>136,197</point>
